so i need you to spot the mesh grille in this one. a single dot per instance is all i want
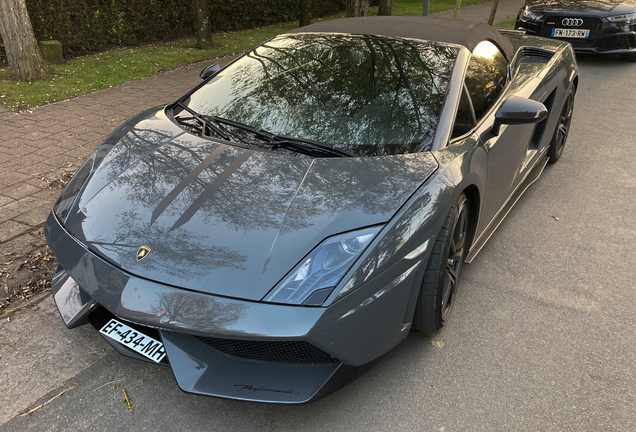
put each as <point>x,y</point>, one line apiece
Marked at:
<point>593,24</point>
<point>616,42</point>
<point>540,128</point>
<point>271,351</point>
<point>608,43</point>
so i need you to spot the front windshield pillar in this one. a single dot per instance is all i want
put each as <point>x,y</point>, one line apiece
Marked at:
<point>447,118</point>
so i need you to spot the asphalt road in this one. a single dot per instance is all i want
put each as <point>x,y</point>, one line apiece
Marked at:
<point>542,338</point>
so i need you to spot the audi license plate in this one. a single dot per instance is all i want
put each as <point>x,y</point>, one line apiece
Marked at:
<point>137,341</point>
<point>571,33</point>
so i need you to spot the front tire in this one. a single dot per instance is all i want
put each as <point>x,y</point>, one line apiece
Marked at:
<point>437,294</point>
<point>563,128</point>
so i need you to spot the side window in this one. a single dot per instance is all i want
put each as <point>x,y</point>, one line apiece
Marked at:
<point>464,120</point>
<point>486,77</point>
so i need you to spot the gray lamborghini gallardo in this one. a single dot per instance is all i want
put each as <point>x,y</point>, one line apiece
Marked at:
<point>292,218</point>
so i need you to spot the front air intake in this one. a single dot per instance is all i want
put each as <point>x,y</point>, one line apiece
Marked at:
<point>270,351</point>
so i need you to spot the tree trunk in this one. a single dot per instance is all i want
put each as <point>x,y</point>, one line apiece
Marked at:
<point>357,8</point>
<point>304,7</point>
<point>493,12</point>
<point>456,10</point>
<point>23,54</point>
<point>203,24</point>
<point>426,8</point>
<point>385,7</point>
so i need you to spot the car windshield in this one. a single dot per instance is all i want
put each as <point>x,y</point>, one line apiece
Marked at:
<point>366,95</point>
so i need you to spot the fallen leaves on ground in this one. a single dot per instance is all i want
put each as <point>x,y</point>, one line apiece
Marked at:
<point>57,179</point>
<point>35,268</point>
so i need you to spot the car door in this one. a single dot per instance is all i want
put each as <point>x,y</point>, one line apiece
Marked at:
<point>486,81</point>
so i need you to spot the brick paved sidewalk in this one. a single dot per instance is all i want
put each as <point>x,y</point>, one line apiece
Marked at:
<point>52,139</point>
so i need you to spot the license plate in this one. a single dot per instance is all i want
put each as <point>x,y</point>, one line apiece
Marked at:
<point>135,340</point>
<point>571,33</point>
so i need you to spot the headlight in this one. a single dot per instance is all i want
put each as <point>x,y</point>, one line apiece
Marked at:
<point>74,186</point>
<point>315,277</point>
<point>625,18</point>
<point>528,15</point>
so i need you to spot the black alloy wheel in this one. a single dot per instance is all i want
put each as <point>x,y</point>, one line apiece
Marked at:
<point>441,278</point>
<point>563,128</point>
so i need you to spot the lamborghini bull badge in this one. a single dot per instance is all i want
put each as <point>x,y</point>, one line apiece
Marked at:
<point>143,252</point>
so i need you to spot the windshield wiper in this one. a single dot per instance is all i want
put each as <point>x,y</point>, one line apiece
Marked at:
<point>303,148</point>
<point>290,143</point>
<point>204,123</point>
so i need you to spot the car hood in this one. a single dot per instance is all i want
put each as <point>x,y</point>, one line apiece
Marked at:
<point>598,8</point>
<point>225,220</point>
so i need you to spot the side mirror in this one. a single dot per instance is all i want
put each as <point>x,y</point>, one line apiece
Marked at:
<point>517,110</point>
<point>209,71</point>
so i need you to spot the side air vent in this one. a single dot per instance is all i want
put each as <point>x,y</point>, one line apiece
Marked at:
<point>535,55</point>
<point>540,128</point>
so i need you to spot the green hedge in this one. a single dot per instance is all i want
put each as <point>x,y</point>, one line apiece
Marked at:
<point>244,14</point>
<point>92,25</point>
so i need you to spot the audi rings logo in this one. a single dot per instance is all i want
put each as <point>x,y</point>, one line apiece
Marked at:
<point>572,22</point>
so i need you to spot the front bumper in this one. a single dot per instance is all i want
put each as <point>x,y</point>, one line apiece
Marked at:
<point>605,38</point>
<point>354,331</point>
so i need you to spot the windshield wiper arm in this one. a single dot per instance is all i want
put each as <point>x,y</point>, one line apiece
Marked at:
<point>284,141</point>
<point>312,144</point>
<point>205,123</point>
<point>300,147</point>
<point>293,143</point>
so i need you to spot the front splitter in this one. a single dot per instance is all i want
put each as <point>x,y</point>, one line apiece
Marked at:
<point>200,369</point>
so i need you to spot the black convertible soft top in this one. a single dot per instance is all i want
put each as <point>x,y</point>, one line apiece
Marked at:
<point>455,31</point>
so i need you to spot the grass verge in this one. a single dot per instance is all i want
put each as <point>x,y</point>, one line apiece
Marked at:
<point>506,24</point>
<point>106,69</point>
<point>414,7</point>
